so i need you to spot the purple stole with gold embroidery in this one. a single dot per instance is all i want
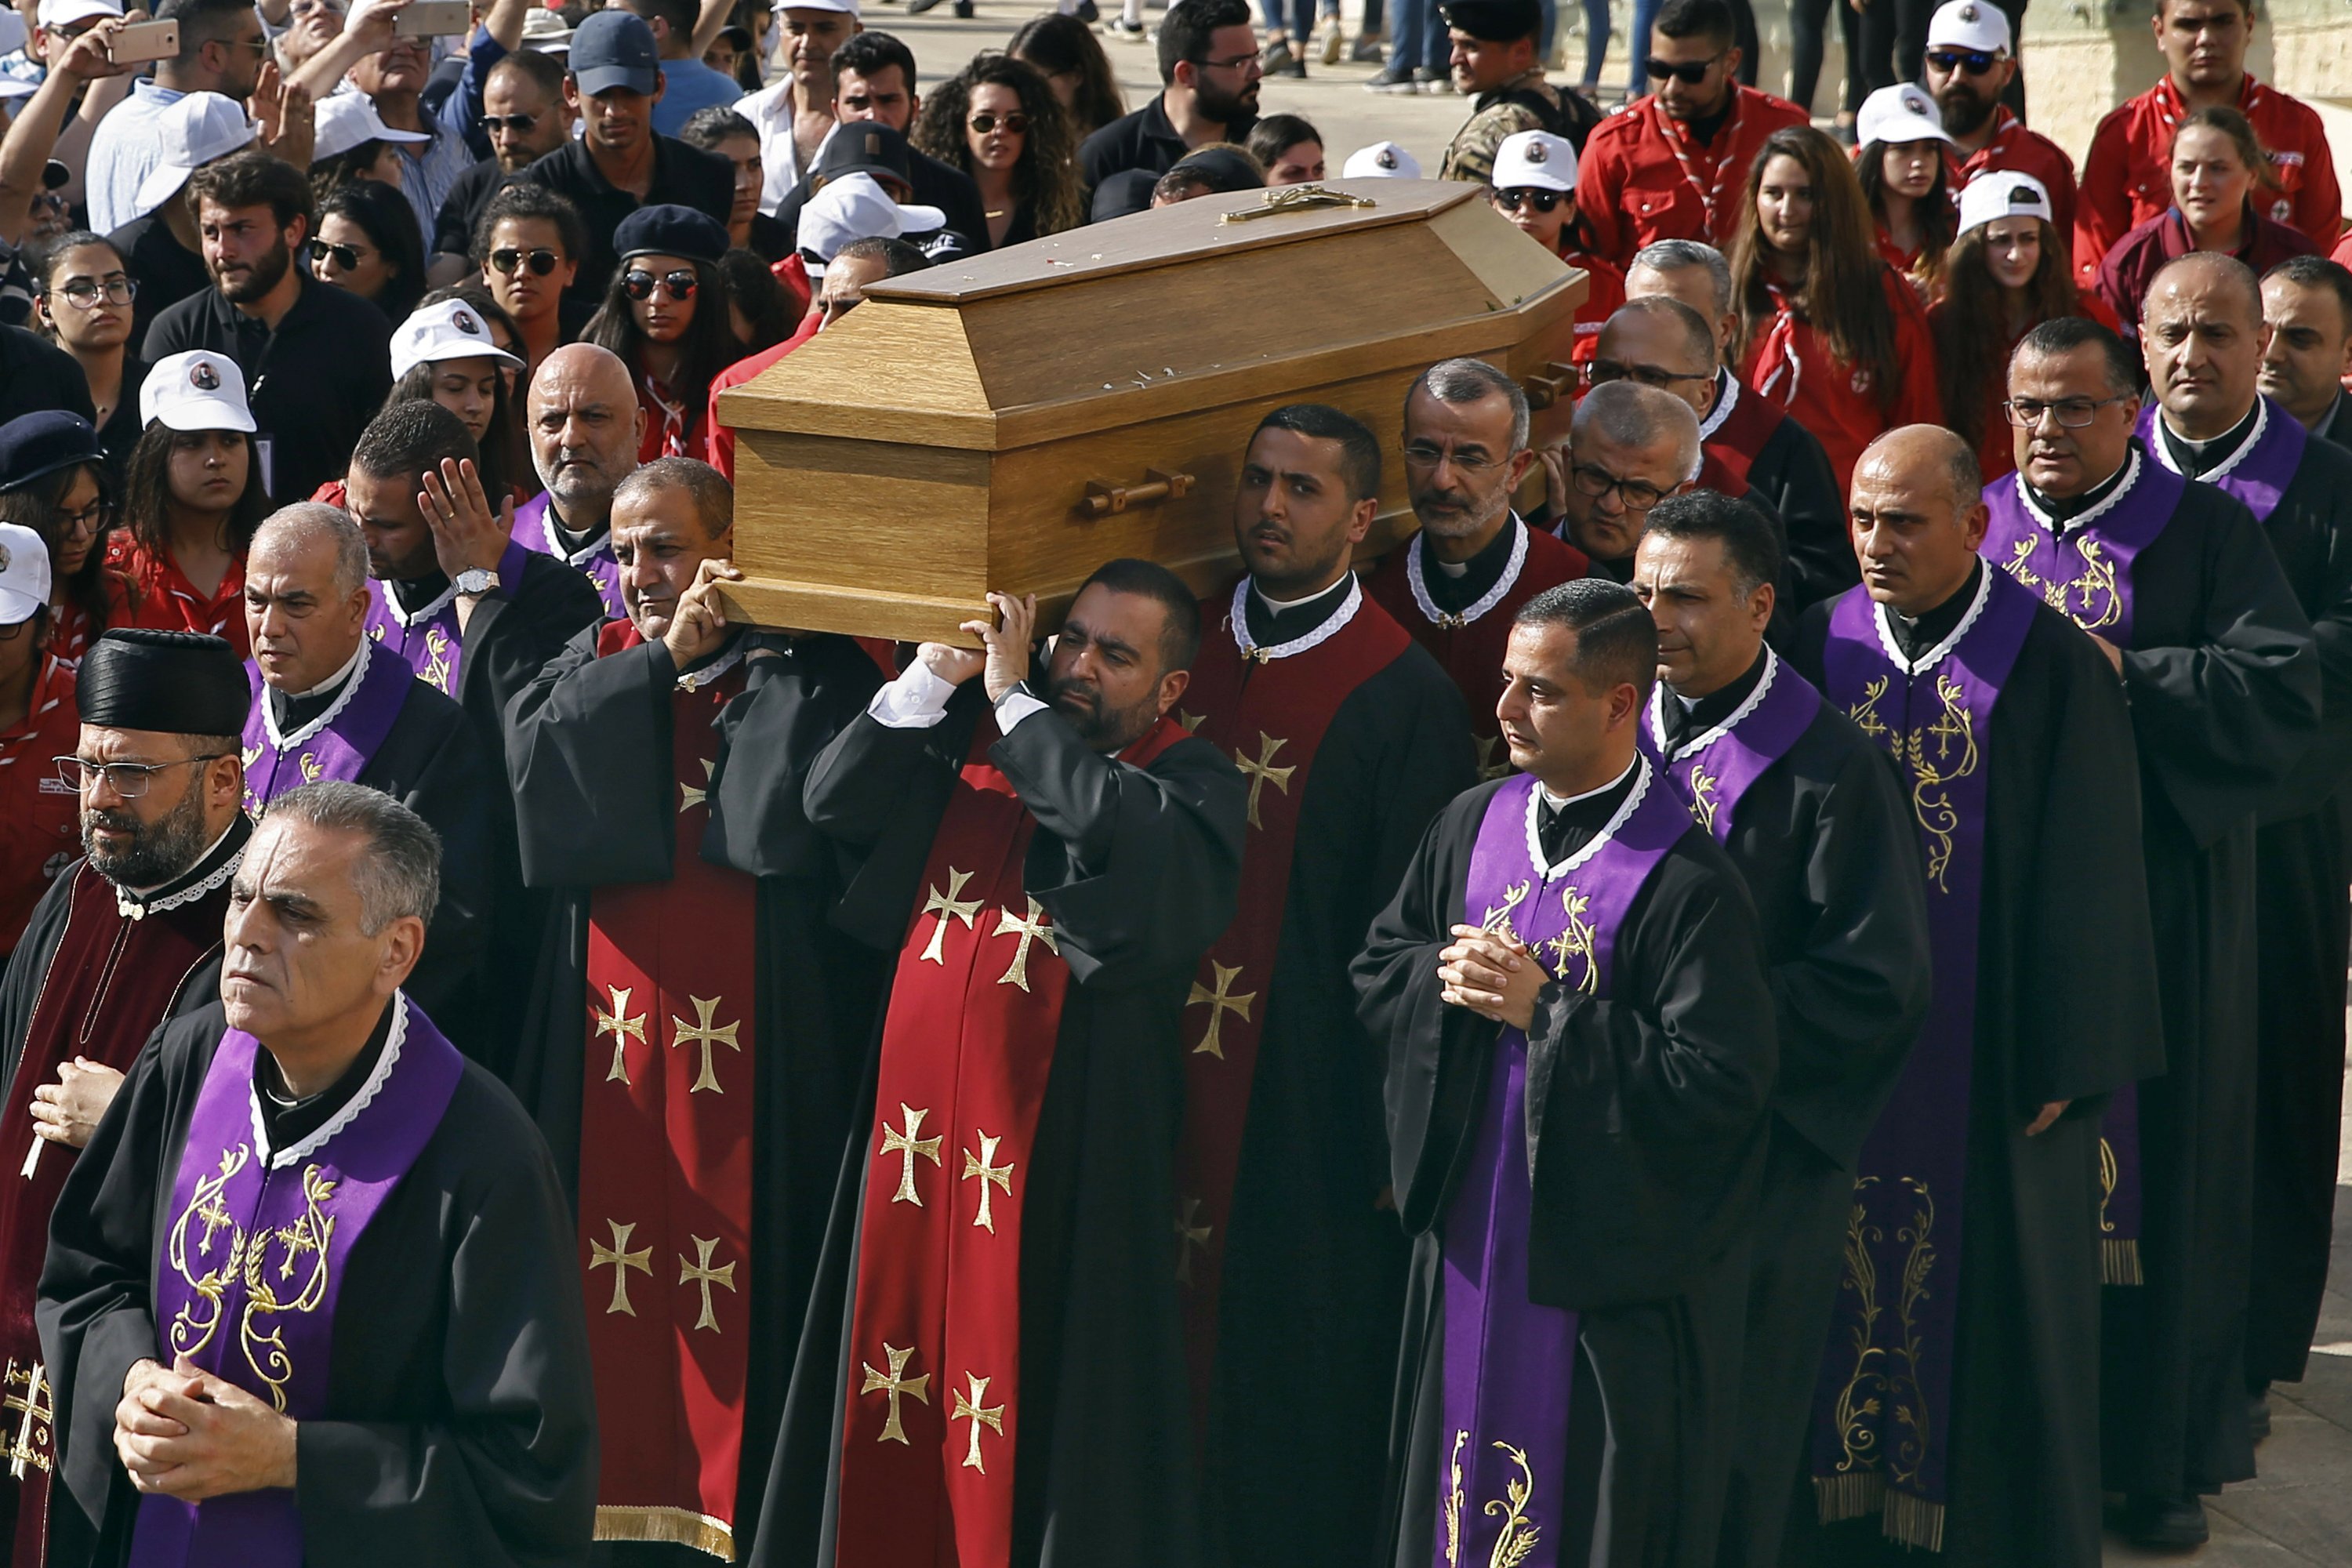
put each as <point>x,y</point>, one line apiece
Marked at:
<point>338,744</point>
<point>2263,469</point>
<point>1883,1408</point>
<point>533,532</point>
<point>431,640</point>
<point>252,1261</point>
<point>1712,770</point>
<point>1509,1359</point>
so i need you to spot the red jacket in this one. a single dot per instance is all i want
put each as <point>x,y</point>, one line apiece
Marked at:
<point>1790,365</point>
<point>40,822</point>
<point>1604,292</point>
<point>2019,151</point>
<point>161,598</point>
<point>2128,177</point>
<point>2127,269</point>
<point>1632,188</point>
<point>1996,450</point>
<point>719,438</point>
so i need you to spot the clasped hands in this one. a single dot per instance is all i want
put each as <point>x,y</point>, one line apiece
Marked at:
<point>183,1433</point>
<point>1492,973</point>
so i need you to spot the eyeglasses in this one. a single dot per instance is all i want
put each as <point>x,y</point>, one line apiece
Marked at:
<point>258,46</point>
<point>520,125</point>
<point>1422,454</point>
<point>95,517</point>
<point>639,284</point>
<point>1638,495</point>
<point>1016,123</point>
<point>1237,63</point>
<point>1691,71</point>
<point>1657,375</point>
<point>542,260</point>
<point>2072,412</point>
<point>1976,62</point>
<point>127,780</point>
<point>49,202</point>
<point>1534,196</point>
<point>346,257</point>
<point>84,294</point>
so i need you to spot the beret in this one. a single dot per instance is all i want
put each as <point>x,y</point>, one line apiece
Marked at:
<point>665,229</point>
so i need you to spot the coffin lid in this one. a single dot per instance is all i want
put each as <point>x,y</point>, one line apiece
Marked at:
<point>1120,323</point>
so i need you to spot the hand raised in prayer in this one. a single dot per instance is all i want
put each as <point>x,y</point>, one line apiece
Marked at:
<point>1009,641</point>
<point>67,1111</point>
<point>1493,975</point>
<point>1555,480</point>
<point>282,120</point>
<point>469,535</point>
<point>698,623</point>
<point>2049,1114</point>
<point>227,1440</point>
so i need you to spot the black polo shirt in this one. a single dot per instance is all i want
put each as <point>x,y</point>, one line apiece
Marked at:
<point>461,209</point>
<point>685,175</point>
<point>35,376</point>
<point>313,383</point>
<point>1144,140</point>
<point>167,271</point>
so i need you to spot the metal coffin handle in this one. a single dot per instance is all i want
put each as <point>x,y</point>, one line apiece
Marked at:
<point>1550,384</point>
<point>1104,497</point>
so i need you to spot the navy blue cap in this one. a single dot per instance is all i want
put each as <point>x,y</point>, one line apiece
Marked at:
<point>864,147</point>
<point>37,445</point>
<point>665,229</point>
<point>613,48</point>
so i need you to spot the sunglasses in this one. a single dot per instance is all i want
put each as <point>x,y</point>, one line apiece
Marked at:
<point>1976,62</point>
<point>541,262</point>
<point>1541,200</point>
<point>1691,71</point>
<point>520,124</point>
<point>1016,123</point>
<point>639,284</point>
<point>345,256</point>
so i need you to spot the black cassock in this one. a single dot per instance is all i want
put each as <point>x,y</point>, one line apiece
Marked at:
<point>1646,1150</point>
<point>1138,870</point>
<point>589,751</point>
<point>2066,1009</point>
<point>462,1425</point>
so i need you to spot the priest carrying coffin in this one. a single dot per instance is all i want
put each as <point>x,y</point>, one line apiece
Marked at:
<point>695,1045</point>
<point>309,1294</point>
<point>125,939</point>
<point>1570,988</point>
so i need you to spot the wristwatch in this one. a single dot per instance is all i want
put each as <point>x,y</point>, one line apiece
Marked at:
<point>480,580</point>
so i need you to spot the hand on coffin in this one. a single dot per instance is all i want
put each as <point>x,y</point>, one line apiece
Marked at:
<point>1492,974</point>
<point>699,625</point>
<point>67,1111</point>
<point>1008,641</point>
<point>469,535</point>
<point>225,1441</point>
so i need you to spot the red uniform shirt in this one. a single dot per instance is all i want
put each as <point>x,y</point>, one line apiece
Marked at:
<point>1642,178</point>
<point>40,812</point>
<point>1790,365</point>
<point>2128,177</point>
<point>2016,150</point>
<point>162,598</point>
<point>1604,292</point>
<point>718,437</point>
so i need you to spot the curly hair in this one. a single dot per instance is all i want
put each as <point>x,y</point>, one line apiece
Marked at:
<point>1972,323</point>
<point>1046,176</point>
<point>1842,294</point>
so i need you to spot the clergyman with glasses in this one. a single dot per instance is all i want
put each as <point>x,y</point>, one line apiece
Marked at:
<point>1630,447</point>
<point>127,938</point>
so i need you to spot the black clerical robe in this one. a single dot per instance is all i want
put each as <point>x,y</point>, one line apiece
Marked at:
<point>1134,872</point>
<point>597,802</point>
<point>460,1429</point>
<point>1749,444</point>
<point>1646,1140</point>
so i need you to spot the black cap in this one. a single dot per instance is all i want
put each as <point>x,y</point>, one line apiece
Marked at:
<point>54,175</point>
<point>864,147</point>
<point>1494,21</point>
<point>176,683</point>
<point>37,445</point>
<point>1222,169</point>
<point>1127,192</point>
<point>667,230</point>
<point>613,48</point>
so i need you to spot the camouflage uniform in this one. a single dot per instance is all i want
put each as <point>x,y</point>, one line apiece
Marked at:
<point>1524,103</point>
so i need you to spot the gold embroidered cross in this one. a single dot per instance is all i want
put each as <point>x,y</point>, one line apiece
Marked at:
<point>297,1239</point>
<point>1034,929</point>
<point>704,1034</point>
<point>214,1215</point>
<point>622,1027</point>
<point>39,1407</point>
<point>908,1148</point>
<point>1221,1002</point>
<point>688,797</point>
<point>620,1261</point>
<point>893,1385</point>
<point>948,907</point>
<point>970,1409</point>
<point>1261,771</point>
<point>699,1272</point>
<point>984,1166</point>
<point>436,672</point>
<point>1188,1237</point>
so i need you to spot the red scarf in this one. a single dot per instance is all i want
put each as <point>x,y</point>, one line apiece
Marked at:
<point>1708,168</point>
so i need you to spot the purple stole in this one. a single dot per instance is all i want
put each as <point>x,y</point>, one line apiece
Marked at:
<point>2098,599</point>
<point>1509,1360</point>
<point>1883,1408</point>
<point>1712,770</point>
<point>2263,468</point>
<point>430,639</point>
<point>251,1264</point>
<point>338,744</point>
<point>533,532</point>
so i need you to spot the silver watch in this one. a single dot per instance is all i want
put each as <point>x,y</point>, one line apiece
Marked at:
<point>480,580</point>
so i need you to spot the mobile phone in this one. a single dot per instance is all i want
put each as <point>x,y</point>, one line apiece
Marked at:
<point>432,18</point>
<point>144,41</point>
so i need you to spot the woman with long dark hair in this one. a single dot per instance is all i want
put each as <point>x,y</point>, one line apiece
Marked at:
<point>1901,166</point>
<point>1066,53</point>
<point>82,292</point>
<point>368,242</point>
<point>999,121</point>
<point>69,498</point>
<point>192,499</point>
<point>2010,271</point>
<point>1826,328</point>
<point>664,313</point>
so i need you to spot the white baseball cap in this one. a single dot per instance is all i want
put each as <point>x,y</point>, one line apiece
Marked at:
<point>24,574</point>
<point>449,329</point>
<point>192,132</point>
<point>344,119</point>
<point>856,207</point>
<point>846,7</point>
<point>1380,161</point>
<point>2004,193</point>
<point>1898,116</point>
<point>12,38</point>
<point>1536,158</point>
<point>65,13</point>
<point>198,390</point>
<point>1970,25</point>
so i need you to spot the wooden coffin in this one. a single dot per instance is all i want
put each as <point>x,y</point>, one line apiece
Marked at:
<point>1014,421</point>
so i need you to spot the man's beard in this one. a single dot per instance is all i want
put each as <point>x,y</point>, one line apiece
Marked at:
<point>1221,106</point>
<point>159,852</point>
<point>1105,730</point>
<point>583,491</point>
<point>265,274</point>
<point>1464,520</point>
<point>1963,112</point>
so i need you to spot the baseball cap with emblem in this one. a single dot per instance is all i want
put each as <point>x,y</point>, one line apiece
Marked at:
<point>446,331</point>
<point>24,574</point>
<point>1976,24</point>
<point>864,147</point>
<point>854,207</point>
<point>1380,161</point>
<point>844,7</point>
<point>198,390</point>
<point>1898,116</point>
<point>1538,159</point>
<point>613,48</point>
<point>34,446</point>
<point>55,15</point>
<point>2004,193</point>
<point>344,119</point>
<point>191,134</point>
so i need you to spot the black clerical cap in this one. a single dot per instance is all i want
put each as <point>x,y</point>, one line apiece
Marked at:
<point>667,229</point>
<point>178,683</point>
<point>1494,21</point>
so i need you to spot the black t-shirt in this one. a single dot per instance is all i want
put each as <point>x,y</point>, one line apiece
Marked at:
<point>461,209</point>
<point>685,175</point>
<point>167,271</point>
<point>35,376</point>
<point>1145,139</point>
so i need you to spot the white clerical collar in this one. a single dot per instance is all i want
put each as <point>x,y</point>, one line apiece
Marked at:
<point>1726,398</point>
<point>1935,656</point>
<point>373,1085</point>
<point>1540,796</point>
<point>702,675</point>
<point>2163,449</point>
<point>557,545</point>
<point>2083,519</point>
<point>1485,601</point>
<point>447,597</point>
<point>354,668</point>
<point>136,904</point>
<point>1731,721</point>
<point>1238,616</point>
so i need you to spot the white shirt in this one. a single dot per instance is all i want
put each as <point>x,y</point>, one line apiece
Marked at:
<point>918,700</point>
<point>124,150</point>
<point>770,108</point>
